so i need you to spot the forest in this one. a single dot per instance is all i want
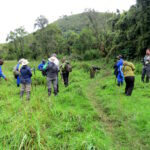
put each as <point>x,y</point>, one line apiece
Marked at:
<point>89,35</point>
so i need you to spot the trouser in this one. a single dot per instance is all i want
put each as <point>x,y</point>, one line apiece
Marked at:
<point>18,81</point>
<point>57,84</point>
<point>27,88</point>
<point>50,82</point>
<point>146,71</point>
<point>65,78</point>
<point>129,85</point>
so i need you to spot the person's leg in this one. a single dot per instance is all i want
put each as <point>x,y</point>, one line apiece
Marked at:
<point>127,85</point>
<point>143,73</point>
<point>131,86</point>
<point>147,73</point>
<point>67,79</point>
<point>49,86</point>
<point>147,78</point>
<point>55,86</point>
<point>28,91</point>
<point>22,90</point>
<point>65,76</point>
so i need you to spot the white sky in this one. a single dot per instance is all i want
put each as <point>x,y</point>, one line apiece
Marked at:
<point>16,13</point>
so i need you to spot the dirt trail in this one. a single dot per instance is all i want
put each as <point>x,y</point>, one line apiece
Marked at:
<point>105,120</point>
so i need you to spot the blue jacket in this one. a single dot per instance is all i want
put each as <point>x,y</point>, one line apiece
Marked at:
<point>25,75</point>
<point>40,66</point>
<point>1,73</point>
<point>120,76</point>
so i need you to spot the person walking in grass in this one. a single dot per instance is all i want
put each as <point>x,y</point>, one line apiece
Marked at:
<point>128,71</point>
<point>1,73</point>
<point>25,77</point>
<point>51,73</point>
<point>56,62</point>
<point>118,70</point>
<point>16,71</point>
<point>146,66</point>
<point>65,70</point>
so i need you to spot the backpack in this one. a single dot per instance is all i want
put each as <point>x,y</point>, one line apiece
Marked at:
<point>16,72</point>
<point>44,72</point>
<point>68,67</point>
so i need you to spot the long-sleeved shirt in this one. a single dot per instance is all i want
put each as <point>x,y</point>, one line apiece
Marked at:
<point>1,73</point>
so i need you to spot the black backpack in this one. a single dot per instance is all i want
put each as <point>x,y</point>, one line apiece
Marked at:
<point>68,68</point>
<point>44,72</point>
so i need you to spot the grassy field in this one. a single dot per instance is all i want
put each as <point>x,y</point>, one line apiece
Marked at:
<point>90,114</point>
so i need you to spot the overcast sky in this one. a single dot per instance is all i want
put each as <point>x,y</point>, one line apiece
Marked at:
<point>16,13</point>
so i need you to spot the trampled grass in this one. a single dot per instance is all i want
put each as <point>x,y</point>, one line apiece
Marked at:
<point>89,114</point>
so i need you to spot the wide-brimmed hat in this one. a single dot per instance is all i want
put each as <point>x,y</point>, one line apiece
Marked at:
<point>52,59</point>
<point>25,62</point>
<point>21,60</point>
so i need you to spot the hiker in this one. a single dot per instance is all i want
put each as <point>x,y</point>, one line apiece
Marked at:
<point>41,65</point>
<point>16,71</point>
<point>52,72</point>
<point>146,66</point>
<point>56,62</point>
<point>1,73</point>
<point>93,70</point>
<point>65,70</point>
<point>118,70</point>
<point>128,71</point>
<point>25,77</point>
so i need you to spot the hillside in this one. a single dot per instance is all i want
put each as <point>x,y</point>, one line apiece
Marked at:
<point>79,21</point>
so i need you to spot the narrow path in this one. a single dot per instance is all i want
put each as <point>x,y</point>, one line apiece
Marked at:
<point>105,120</point>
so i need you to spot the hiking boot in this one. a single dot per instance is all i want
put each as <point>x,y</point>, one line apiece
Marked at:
<point>49,92</point>
<point>21,94</point>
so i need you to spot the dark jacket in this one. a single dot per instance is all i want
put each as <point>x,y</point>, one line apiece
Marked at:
<point>52,70</point>
<point>25,75</point>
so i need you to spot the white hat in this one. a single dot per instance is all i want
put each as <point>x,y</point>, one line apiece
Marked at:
<point>25,62</point>
<point>52,59</point>
<point>21,60</point>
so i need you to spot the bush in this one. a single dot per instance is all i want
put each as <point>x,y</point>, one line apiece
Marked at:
<point>91,54</point>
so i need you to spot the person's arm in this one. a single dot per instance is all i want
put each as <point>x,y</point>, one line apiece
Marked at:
<point>1,74</point>
<point>30,73</point>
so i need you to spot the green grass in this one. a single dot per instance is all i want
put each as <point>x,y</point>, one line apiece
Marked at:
<point>89,114</point>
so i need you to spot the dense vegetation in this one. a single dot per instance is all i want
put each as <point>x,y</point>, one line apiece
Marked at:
<point>88,35</point>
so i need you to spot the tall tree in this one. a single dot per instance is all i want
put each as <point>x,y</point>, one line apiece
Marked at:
<point>41,22</point>
<point>17,38</point>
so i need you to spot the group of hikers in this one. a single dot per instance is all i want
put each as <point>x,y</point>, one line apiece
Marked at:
<point>50,69</point>
<point>124,71</point>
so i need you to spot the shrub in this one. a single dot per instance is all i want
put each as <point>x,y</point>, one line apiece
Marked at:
<point>91,54</point>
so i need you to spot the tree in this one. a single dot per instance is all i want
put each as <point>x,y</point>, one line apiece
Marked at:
<point>41,22</point>
<point>49,39</point>
<point>16,38</point>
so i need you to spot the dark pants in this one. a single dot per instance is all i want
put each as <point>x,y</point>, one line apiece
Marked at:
<point>146,72</point>
<point>50,82</point>
<point>65,76</point>
<point>129,85</point>
<point>57,83</point>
